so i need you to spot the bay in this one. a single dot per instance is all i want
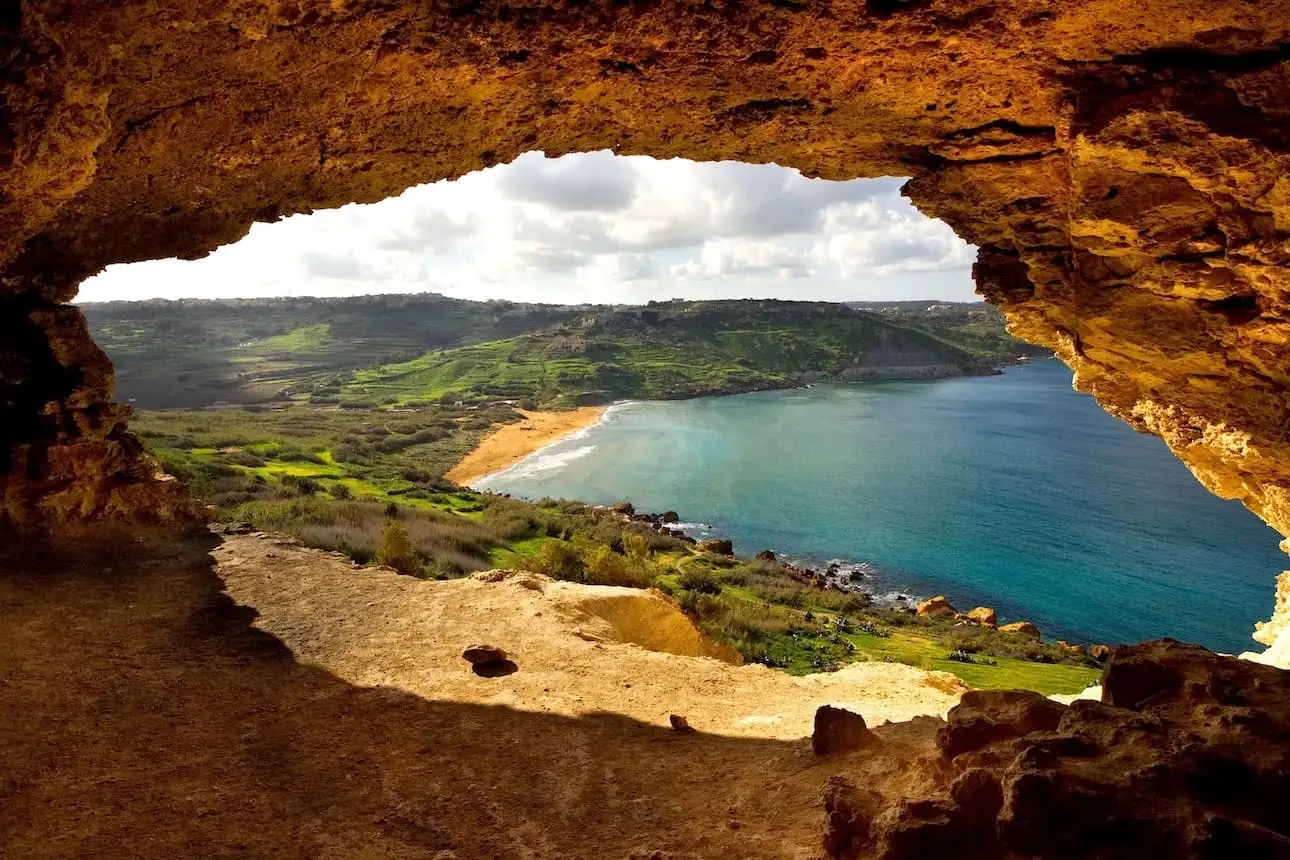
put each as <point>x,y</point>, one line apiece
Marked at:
<point>1011,491</point>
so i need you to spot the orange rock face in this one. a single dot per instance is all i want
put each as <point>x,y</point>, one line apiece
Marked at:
<point>1125,170</point>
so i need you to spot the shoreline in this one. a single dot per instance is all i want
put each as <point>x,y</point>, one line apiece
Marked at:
<point>504,446</point>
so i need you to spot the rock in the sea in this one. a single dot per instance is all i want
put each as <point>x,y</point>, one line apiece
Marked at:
<point>985,616</point>
<point>937,605</point>
<point>624,508</point>
<point>720,546</point>
<point>1025,628</point>
<point>765,555</point>
<point>480,654</point>
<point>671,517</point>
<point>839,730</point>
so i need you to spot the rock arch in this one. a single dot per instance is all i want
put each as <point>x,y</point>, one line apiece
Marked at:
<point>1125,172</point>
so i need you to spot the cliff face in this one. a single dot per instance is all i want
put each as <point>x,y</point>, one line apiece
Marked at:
<point>1123,169</point>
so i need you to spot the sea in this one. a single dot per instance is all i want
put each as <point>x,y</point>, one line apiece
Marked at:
<point>1011,491</point>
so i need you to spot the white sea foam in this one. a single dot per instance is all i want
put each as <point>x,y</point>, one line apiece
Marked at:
<point>545,459</point>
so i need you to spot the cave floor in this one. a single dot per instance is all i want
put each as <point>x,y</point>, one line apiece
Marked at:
<point>143,713</point>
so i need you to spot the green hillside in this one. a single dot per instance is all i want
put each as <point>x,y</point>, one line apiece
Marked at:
<point>193,353</point>
<point>376,349</point>
<point>686,349</point>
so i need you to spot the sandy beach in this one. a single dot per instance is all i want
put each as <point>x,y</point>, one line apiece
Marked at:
<point>508,444</point>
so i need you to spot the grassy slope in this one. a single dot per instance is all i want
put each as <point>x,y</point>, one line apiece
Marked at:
<point>675,350</point>
<point>194,353</point>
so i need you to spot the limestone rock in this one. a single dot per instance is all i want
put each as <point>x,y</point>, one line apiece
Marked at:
<point>937,605</point>
<point>985,716</point>
<point>1185,758</point>
<point>1025,628</point>
<point>671,517</point>
<point>1074,649</point>
<point>624,508</point>
<point>839,730</point>
<point>766,555</point>
<point>717,546</point>
<point>1100,653</point>
<point>985,616</point>
<point>478,654</point>
<point>848,815</point>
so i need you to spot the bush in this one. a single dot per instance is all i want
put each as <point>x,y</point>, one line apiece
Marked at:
<point>699,581</point>
<point>340,491</point>
<point>556,559</point>
<point>396,549</point>
<point>606,567</point>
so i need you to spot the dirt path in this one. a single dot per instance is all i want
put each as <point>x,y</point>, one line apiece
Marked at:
<point>146,712</point>
<point>510,443</point>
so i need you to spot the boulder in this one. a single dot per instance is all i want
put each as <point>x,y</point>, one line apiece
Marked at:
<point>679,724</point>
<point>671,517</point>
<point>1183,758</point>
<point>839,730</point>
<point>480,654</point>
<point>985,716</point>
<point>1100,653</point>
<point>624,508</point>
<point>1025,628</point>
<point>1072,648</point>
<point>985,616</point>
<point>937,605</point>
<point>720,546</point>
<point>765,555</point>
<point>849,814</point>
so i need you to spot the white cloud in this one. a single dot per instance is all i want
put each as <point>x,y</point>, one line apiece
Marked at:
<point>725,257</point>
<point>589,227</point>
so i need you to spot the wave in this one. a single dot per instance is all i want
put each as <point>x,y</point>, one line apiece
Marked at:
<point>546,458</point>
<point>539,462</point>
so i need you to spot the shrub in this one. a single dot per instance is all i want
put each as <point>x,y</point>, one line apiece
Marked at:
<point>606,567</point>
<point>699,581</point>
<point>396,549</point>
<point>340,491</point>
<point>636,545</point>
<point>556,559</point>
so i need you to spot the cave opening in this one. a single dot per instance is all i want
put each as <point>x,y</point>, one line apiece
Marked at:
<point>336,311</point>
<point>1122,172</point>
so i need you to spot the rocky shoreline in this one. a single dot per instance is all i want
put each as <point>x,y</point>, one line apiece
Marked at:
<point>850,578</point>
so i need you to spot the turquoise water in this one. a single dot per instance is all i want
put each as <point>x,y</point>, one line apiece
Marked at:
<point>1010,491</point>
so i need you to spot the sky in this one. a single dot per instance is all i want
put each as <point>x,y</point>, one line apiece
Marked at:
<point>591,227</point>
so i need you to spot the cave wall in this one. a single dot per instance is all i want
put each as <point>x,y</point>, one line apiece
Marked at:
<point>1124,168</point>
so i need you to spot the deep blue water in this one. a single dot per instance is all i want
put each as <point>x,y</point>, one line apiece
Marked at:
<point>1010,491</point>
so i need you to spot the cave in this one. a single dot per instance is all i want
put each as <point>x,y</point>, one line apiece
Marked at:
<point>1124,171</point>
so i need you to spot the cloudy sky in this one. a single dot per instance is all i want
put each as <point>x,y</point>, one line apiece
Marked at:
<point>583,228</point>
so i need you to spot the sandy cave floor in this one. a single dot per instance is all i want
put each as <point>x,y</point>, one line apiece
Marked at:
<point>164,696</point>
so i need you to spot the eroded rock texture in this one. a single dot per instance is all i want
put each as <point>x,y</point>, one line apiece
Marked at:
<point>1123,167</point>
<point>1186,757</point>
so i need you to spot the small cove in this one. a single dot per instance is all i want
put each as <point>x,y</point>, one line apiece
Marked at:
<point>1010,491</point>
